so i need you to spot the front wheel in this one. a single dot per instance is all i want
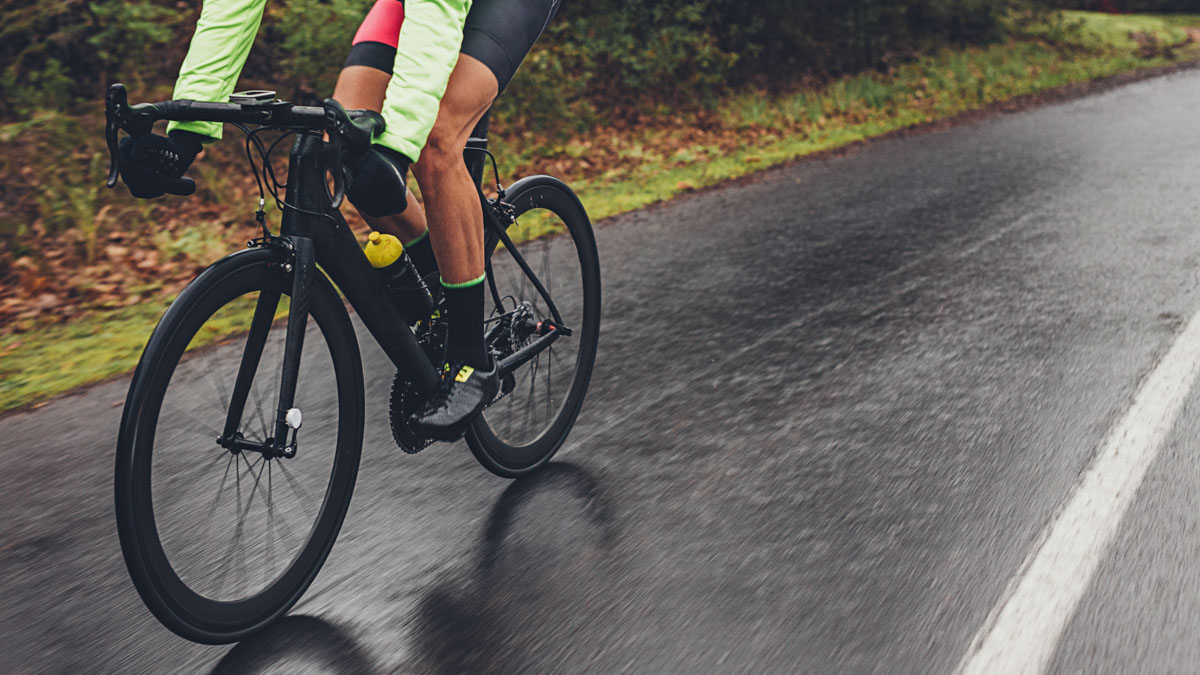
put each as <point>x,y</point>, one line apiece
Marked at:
<point>553,237</point>
<point>221,532</point>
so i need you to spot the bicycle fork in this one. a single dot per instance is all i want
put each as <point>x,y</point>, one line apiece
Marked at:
<point>303,268</point>
<point>286,416</point>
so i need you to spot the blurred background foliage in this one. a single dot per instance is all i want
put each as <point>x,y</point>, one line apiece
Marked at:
<point>59,54</point>
<point>1134,6</point>
<point>64,52</point>
<point>632,101</point>
<point>600,62</point>
<point>604,71</point>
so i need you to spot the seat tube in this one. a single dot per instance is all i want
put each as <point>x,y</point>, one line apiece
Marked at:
<point>475,154</point>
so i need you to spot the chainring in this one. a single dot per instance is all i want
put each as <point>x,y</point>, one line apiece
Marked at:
<point>403,403</point>
<point>404,399</point>
<point>431,335</point>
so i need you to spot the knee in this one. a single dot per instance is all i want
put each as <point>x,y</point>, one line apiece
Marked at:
<point>443,152</point>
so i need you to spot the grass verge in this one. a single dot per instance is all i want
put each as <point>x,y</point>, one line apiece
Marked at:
<point>939,86</point>
<point>681,152</point>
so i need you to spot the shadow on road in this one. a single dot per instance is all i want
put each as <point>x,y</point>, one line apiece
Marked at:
<point>298,644</point>
<point>548,538</point>
<point>547,544</point>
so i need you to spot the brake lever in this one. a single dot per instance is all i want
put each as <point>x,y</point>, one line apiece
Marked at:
<point>354,132</point>
<point>335,119</point>
<point>116,106</point>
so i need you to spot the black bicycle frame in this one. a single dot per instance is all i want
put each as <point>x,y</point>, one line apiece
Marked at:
<point>317,235</point>
<point>495,220</point>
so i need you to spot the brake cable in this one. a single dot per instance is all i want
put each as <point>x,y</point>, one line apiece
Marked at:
<point>265,175</point>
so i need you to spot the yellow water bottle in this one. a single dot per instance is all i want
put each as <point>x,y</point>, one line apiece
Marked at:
<point>400,276</point>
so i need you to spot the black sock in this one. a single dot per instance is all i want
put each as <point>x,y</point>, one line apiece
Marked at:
<point>421,253</point>
<point>464,306</point>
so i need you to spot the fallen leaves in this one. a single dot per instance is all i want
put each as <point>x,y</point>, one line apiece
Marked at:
<point>52,282</point>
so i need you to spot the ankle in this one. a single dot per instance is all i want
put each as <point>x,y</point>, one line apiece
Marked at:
<point>463,303</point>
<point>421,253</point>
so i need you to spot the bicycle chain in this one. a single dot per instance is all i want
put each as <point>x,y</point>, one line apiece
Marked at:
<point>403,401</point>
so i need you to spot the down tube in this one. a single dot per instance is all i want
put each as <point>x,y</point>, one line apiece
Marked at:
<point>339,253</point>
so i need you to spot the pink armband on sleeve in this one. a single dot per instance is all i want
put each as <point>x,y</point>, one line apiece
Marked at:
<point>382,23</point>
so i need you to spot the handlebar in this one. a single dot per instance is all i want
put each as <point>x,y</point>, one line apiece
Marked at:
<point>350,133</point>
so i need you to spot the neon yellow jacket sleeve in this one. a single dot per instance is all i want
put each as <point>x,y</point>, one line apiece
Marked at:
<point>430,39</point>
<point>215,58</point>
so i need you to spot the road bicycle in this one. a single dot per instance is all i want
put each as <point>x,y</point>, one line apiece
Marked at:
<point>242,431</point>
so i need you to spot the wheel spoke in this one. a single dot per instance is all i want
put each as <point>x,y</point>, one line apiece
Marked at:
<point>209,520</point>
<point>258,407</point>
<point>301,494</point>
<point>215,537</point>
<point>518,432</point>
<point>193,423</point>
<point>253,488</point>
<point>218,382</point>
<point>549,382</point>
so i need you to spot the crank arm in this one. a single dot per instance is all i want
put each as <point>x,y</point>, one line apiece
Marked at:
<point>525,354</point>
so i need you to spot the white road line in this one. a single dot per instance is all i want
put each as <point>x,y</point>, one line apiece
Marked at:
<point>1022,632</point>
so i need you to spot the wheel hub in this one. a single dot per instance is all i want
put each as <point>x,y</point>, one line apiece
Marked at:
<point>269,449</point>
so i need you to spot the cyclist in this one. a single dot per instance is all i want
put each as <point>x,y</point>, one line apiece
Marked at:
<point>432,68</point>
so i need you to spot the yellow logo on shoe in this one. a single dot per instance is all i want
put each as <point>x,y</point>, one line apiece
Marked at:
<point>464,374</point>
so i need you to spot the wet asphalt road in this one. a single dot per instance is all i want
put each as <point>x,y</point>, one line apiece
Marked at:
<point>832,411</point>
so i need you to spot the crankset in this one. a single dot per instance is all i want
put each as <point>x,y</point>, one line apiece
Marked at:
<point>405,400</point>
<point>509,333</point>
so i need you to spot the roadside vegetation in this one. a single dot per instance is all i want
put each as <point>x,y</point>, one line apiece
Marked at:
<point>85,272</point>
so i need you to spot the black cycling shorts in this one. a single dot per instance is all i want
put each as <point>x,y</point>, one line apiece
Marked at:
<point>499,33</point>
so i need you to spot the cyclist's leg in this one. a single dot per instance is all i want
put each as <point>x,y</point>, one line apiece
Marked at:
<point>362,87</point>
<point>456,232</point>
<point>496,38</point>
<point>452,207</point>
<point>448,189</point>
<point>498,33</point>
<point>431,36</point>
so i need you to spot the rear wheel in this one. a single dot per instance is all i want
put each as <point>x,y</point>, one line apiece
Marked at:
<point>222,537</point>
<point>523,429</point>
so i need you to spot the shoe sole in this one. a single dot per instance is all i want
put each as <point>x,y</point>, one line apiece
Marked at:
<point>444,434</point>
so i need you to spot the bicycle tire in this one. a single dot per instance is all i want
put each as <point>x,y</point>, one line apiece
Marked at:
<point>492,448</point>
<point>177,605</point>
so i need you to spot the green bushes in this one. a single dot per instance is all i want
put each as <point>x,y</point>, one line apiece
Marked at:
<point>305,42</point>
<point>58,52</point>
<point>61,52</point>
<point>1141,6</point>
<point>693,51</point>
